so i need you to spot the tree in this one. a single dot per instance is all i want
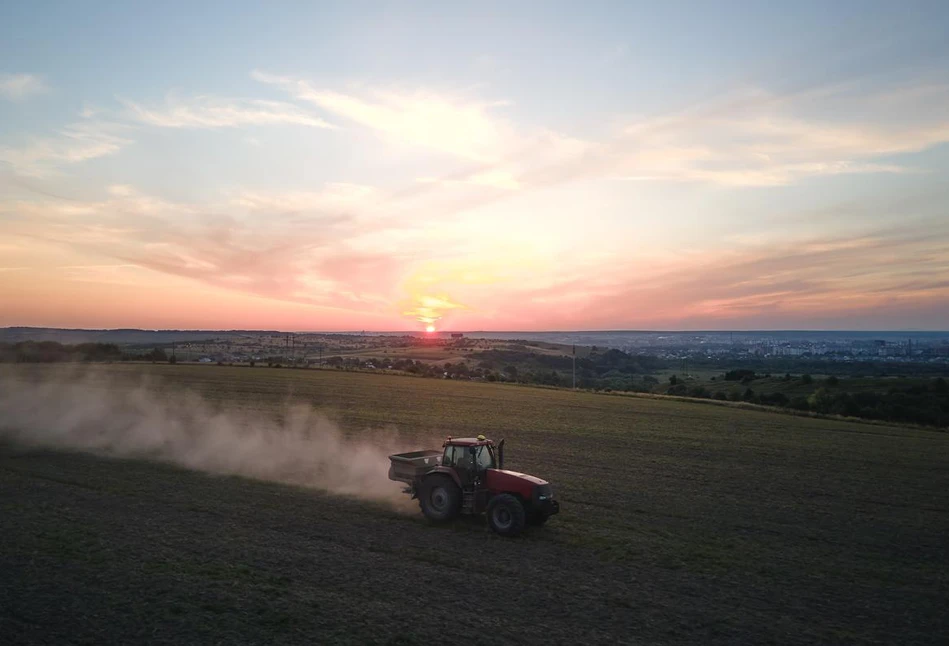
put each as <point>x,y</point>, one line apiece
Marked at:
<point>550,379</point>
<point>673,380</point>
<point>799,403</point>
<point>807,379</point>
<point>821,401</point>
<point>157,354</point>
<point>699,392</point>
<point>511,371</point>
<point>774,399</point>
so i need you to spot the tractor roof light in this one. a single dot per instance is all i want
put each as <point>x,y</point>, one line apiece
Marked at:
<point>481,438</point>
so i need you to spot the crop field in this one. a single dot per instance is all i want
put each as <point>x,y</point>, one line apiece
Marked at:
<point>681,523</point>
<point>439,351</point>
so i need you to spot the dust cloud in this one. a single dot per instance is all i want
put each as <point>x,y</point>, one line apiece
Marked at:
<point>103,415</point>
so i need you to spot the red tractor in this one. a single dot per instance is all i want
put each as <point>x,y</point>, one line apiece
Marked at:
<point>468,477</point>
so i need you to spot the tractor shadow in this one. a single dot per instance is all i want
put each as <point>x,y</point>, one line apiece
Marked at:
<point>478,526</point>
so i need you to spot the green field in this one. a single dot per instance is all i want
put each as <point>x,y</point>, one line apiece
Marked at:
<point>681,522</point>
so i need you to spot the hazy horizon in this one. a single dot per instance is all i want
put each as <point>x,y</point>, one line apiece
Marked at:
<point>512,331</point>
<point>536,167</point>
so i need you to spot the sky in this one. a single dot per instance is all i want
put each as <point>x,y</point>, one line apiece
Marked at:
<point>475,166</point>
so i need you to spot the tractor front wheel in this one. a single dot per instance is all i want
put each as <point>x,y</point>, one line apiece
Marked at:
<point>440,498</point>
<point>506,515</point>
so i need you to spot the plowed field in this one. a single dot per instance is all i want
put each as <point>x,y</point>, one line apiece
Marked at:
<point>680,523</point>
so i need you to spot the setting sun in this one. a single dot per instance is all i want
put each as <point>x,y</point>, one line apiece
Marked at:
<point>331,194</point>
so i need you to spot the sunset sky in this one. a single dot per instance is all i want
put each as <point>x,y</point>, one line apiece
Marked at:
<point>499,166</point>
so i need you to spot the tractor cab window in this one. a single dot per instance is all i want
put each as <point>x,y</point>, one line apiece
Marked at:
<point>485,458</point>
<point>449,458</point>
<point>459,457</point>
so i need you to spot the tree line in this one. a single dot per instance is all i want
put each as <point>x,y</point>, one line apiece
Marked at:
<point>53,352</point>
<point>924,404</point>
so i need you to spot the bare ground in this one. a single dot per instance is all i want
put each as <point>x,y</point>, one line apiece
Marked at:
<point>681,524</point>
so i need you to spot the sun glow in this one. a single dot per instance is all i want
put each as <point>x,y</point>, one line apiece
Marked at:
<point>429,328</point>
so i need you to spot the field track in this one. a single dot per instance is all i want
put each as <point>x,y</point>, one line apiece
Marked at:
<point>681,523</point>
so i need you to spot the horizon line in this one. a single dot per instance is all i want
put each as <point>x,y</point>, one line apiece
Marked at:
<point>463,331</point>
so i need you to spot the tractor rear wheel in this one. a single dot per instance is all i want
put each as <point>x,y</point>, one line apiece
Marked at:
<point>506,515</point>
<point>440,498</point>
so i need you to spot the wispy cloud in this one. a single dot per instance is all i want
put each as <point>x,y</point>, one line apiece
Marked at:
<point>333,246</point>
<point>77,142</point>
<point>334,196</point>
<point>752,138</point>
<point>450,124</point>
<point>295,248</point>
<point>493,178</point>
<point>217,112</point>
<point>113,274</point>
<point>809,281</point>
<point>759,139</point>
<point>103,132</point>
<point>301,248</point>
<point>487,149</point>
<point>17,87</point>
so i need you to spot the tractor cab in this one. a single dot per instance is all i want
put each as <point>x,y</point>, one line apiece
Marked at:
<point>471,457</point>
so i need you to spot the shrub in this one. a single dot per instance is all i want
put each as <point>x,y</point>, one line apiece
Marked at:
<point>799,403</point>
<point>740,375</point>
<point>700,392</point>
